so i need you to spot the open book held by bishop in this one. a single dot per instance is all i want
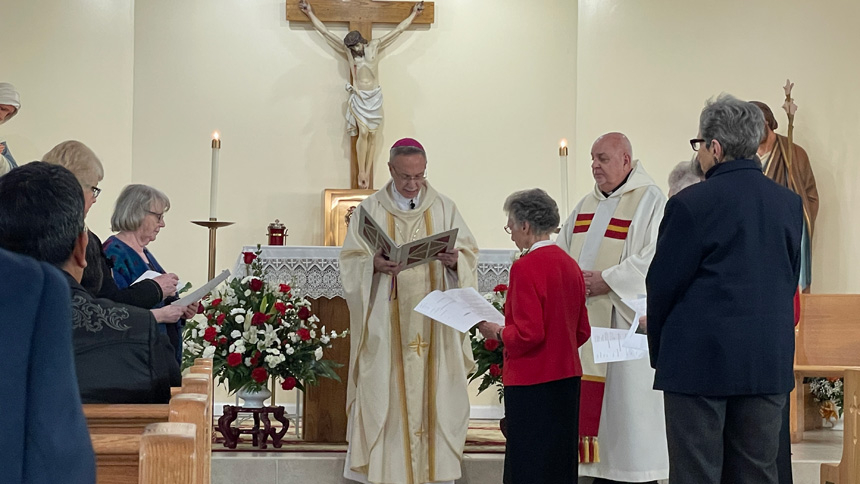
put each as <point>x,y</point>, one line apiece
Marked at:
<point>407,396</point>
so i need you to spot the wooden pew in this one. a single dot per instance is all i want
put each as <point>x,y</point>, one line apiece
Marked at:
<point>848,469</point>
<point>169,454</point>
<point>826,343</point>
<point>195,408</point>
<point>133,418</point>
<point>116,430</point>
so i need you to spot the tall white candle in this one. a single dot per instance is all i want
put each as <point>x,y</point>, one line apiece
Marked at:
<point>562,155</point>
<point>213,187</point>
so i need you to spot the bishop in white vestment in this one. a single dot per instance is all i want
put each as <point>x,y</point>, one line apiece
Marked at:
<point>407,396</point>
<point>612,235</point>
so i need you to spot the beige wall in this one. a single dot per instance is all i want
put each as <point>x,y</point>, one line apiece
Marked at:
<point>646,68</point>
<point>72,62</point>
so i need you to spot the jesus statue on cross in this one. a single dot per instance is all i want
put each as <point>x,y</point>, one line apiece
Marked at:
<point>364,108</point>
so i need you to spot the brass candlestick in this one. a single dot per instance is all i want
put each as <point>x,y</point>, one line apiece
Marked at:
<point>212,224</point>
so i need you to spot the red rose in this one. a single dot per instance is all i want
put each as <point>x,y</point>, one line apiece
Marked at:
<point>491,344</point>
<point>259,319</point>
<point>500,288</point>
<point>304,334</point>
<point>209,334</point>
<point>215,302</point>
<point>256,358</point>
<point>222,340</point>
<point>249,257</point>
<point>260,375</point>
<point>280,307</point>
<point>199,308</point>
<point>285,288</point>
<point>495,371</point>
<point>234,359</point>
<point>304,313</point>
<point>220,318</point>
<point>209,317</point>
<point>289,383</point>
<point>255,284</point>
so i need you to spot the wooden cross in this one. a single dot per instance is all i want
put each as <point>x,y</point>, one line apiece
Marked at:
<point>360,14</point>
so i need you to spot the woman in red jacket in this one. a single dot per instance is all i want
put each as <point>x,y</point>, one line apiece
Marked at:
<point>545,323</point>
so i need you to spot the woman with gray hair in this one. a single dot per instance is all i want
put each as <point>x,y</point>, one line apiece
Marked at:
<point>97,279</point>
<point>683,175</point>
<point>545,324</point>
<point>137,218</point>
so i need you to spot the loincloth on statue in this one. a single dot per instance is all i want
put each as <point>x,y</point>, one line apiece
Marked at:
<point>363,107</point>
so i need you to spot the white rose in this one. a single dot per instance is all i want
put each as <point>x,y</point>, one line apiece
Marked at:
<point>290,351</point>
<point>318,354</point>
<point>209,352</point>
<point>240,319</point>
<point>236,334</point>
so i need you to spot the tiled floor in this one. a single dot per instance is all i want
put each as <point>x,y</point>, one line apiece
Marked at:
<point>314,467</point>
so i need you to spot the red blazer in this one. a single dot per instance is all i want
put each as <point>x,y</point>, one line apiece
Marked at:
<point>545,318</point>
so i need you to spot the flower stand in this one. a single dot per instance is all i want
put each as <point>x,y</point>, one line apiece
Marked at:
<point>259,435</point>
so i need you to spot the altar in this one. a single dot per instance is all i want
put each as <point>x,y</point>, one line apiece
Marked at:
<point>314,272</point>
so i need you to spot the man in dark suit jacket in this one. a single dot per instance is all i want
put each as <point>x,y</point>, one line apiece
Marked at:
<point>44,437</point>
<point>720,306</point>
<point>119,355</point>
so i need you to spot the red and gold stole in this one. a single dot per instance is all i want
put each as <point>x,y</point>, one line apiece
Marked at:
<point>600,308</point>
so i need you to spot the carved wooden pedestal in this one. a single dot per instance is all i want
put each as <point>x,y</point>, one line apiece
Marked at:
<point>258,435</point>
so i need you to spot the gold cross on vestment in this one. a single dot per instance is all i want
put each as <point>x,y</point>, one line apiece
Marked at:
<point>417,344</point>
<point>420,433</point>
<point>360,14</point>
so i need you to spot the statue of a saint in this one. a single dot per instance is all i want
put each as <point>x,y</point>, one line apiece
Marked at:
<point>364,108</point>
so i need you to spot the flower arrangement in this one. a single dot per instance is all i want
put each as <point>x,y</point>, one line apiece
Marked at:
<point>829,393</point>
<point>489,352</point>
<point>255,330</point>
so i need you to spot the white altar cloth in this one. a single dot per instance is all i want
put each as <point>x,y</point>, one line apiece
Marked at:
<point>315,271</point>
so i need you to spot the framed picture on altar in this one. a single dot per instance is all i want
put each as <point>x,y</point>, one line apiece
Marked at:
<point>338,205</point>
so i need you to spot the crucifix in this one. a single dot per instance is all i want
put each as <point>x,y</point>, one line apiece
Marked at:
<point>364,108</point>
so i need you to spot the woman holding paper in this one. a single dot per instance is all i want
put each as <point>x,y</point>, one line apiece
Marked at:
<point>545,323</point>
<point>97,279</point>
<point>138,217</point>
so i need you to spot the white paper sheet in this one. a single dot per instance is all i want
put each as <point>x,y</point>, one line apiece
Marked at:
<point>640,306</point>
<point>459,308</point>
<point>205,289</point>
<point>608,347</point>
<point>147,275</point>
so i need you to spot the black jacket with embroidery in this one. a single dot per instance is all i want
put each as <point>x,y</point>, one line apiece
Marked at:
<point>119,355</point>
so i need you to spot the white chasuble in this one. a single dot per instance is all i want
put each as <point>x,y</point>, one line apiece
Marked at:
<point>407,394</point>
<point>632,431</point>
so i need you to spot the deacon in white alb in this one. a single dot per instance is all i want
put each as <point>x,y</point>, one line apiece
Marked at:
<point>612,234</point>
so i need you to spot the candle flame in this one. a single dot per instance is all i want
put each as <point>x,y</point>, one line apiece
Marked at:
<point>215,135</point>
<point>562,143</point>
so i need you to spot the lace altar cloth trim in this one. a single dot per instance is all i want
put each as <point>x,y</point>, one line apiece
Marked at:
<point>315,271</point>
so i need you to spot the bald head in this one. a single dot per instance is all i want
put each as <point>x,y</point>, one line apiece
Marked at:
<point>611,160</point>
